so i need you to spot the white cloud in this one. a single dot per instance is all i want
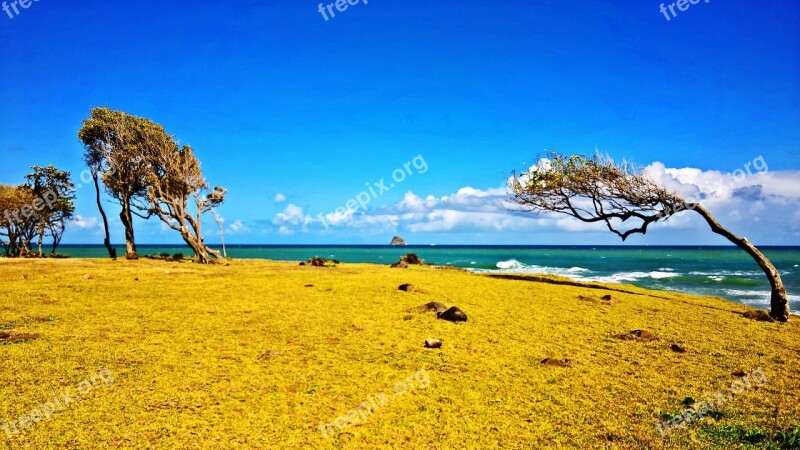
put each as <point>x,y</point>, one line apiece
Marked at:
<point>280,198</point>
<point>293,215</point>
<point>85,223</point>
<point>739,202</point>
<point>236,227</point>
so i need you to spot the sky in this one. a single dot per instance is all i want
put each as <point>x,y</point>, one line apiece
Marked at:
<point>296,115</point>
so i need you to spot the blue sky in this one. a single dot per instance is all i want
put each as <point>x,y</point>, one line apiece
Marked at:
<point>277,100</point>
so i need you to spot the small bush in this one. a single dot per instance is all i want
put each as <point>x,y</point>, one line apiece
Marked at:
<point>754,436</point>
<point>788,439</point>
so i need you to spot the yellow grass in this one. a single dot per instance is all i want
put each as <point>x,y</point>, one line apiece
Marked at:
<point>246,356</point>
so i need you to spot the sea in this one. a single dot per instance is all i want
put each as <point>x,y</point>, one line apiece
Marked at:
<point>726,272</point>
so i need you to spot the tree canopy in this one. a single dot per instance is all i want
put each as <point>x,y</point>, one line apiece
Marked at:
<point>41,207</point>
<point>146,170</point>
<point>597,190</point>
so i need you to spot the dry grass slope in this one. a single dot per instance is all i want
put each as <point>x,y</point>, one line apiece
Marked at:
<point>248,356</point>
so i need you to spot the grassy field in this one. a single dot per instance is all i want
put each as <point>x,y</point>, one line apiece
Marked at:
<point>259,354</point>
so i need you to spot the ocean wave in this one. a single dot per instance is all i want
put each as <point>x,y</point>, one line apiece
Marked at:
<point>728,273</point>
<point>581,273</point>
<point>512,265</point>
<point>737,273</point>
<point>756,297</point>
<point>622,277</point>
<point>761,297</point>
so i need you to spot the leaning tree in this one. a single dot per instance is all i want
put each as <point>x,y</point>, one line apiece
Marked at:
<point>177,190</point>
<point>598,190</point>
<point>112,147</point>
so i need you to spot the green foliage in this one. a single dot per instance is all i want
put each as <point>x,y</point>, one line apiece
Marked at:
<point>729,435</point>
<point>114,147</point>
<point>40,207</point>
<point>788,439</point>
<point>753,436</point>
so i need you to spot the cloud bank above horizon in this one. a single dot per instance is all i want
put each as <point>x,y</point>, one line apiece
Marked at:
<point>761,205</point>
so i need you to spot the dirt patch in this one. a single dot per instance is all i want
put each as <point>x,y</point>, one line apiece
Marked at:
<point>432,306</point>
<point>7,337</point>
<point>758,315</point>
<point>638,335</point>
<point>562,363</point>
<point>604,300</point>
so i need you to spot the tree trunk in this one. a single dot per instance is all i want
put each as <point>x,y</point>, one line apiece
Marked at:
<point>127,221</point>
<point>11,246</point>
<point>39,242</point>
<point>779,303</point>
<point>112,252</point>
<point>202,254</point>
<point>221,233</point>
<point>57,233</point>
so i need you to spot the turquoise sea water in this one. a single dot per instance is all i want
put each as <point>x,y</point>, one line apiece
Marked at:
<point>725,272</point>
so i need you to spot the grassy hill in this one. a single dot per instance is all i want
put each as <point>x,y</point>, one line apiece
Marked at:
<point>260,354</point>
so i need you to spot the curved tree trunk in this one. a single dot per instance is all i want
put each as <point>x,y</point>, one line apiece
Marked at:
<point>112,252</point>
<point>779,303</point>
<point>127,221</point>
<point>202,253</point>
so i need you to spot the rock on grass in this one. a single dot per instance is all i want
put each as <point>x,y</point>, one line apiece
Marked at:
<point>677,348</point>
<point>453,315</point>
<point>433,343</point>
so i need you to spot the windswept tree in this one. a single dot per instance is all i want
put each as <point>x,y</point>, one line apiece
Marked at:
<point>54,194</point>
<point>598,190</point>
<point>177,191</point>
<point>147,172</point>
<point>112,147</point>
